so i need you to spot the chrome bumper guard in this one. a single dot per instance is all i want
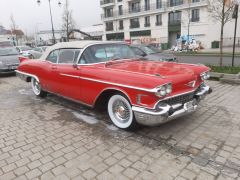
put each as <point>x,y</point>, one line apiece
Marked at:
<point>164,112</point>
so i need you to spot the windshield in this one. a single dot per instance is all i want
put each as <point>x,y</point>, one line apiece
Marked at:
<point>8,51</point>
<point>150,50</point>
<point>25,48</point>
<point>105,52</point>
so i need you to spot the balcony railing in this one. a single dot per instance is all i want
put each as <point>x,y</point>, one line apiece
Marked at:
<point>174,22</point>
<point>147,25</point>
<point>158,23</point>
<point>108,15</point>
<point>196,19</point>
<point>109,28</point>
<point>175,3</point>
<point>120,28</point>
<point>103,2</point>
<point>153,7</point>
<point>135,25</point>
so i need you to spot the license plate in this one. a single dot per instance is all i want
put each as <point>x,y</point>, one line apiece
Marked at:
<point>13,67</point>
<point>189,106</point>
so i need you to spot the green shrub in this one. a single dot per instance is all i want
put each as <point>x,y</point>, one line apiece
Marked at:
<point>225,69</point>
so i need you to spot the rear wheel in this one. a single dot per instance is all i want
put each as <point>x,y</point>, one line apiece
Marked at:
<point>120,112</point>
<point>36,87</point>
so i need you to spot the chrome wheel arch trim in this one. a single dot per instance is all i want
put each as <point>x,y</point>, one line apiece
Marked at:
<point>114,89</point>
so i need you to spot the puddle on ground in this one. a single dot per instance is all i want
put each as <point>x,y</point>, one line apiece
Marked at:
<point>85,118</point>
<point>112,127</point>
<point>24,92</point>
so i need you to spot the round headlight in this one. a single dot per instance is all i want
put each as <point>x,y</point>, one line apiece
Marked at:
<point>169,88</point>
<point>163,91</point>
<point>205,75</point>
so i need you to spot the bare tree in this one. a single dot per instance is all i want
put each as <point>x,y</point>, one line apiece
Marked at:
<point>68,22</point>
<point>13,27</point>
<point>221,11</point>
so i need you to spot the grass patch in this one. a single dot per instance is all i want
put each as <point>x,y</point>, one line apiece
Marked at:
<point>225,69</point>
<point>199,53</point>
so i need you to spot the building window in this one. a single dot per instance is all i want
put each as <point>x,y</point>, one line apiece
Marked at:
<point>195,15</point>
<point>134,23</point>
<point>174,18</point>
<point>158,20</point>
<point>108,12</point>
<point>119,0</point>
<point>109,26</point>
<point>134,7</point>
<point>121,24</point>
<point>147,21</point>
<point>147,5</point>
<point>120,10</point>
<point>195,1</point>
<point>158,4</point>
<point>176,2</point>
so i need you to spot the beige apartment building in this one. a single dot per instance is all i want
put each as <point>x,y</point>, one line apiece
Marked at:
<point>162,21</point>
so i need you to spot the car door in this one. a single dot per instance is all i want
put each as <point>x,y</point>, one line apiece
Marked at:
<point>69,83</point>
<point>50,75</point>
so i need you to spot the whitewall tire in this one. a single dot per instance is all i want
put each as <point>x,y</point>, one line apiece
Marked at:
<point>36,87</point>
<point>120,112</point>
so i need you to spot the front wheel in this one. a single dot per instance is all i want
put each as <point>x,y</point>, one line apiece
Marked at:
<point>36,87</point>
<point>120,112</point>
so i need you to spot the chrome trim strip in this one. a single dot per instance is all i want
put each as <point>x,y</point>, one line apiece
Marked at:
<point>163,111</point>
<point>106,82</point>
<point>69,75</point>
<point>27,74</point>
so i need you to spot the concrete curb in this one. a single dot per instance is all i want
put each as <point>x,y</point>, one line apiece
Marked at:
<point>226,78</point>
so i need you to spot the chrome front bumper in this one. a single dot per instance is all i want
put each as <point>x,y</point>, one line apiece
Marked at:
<point>164,112</point>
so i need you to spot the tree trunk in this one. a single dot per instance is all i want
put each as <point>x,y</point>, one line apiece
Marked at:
<point>221,37</point>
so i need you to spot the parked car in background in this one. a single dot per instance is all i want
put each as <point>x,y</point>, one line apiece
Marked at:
<point>108,74</point>
<point>8,60</point>
<point>152,53</point>
<point>23,49</point>
<point>6,44</point>
<point>36,52</point>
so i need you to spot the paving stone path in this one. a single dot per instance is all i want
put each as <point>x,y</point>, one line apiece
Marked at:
<point>53,138</point>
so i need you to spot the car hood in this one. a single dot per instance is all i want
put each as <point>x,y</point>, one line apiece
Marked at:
<point>178,74</point>
<point>162,69</point>
<point>10,59</point>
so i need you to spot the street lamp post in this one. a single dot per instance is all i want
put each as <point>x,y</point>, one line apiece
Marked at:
<point>189,21</point>
<point>235,15</point>
<point>50,10</point>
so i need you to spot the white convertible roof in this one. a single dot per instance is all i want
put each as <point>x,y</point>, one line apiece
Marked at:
<point>75,44</point>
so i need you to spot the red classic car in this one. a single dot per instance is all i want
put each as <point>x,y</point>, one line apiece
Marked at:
<point>107,74</point>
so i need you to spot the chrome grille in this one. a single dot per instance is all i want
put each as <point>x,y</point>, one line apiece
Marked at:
<point>181,99</point>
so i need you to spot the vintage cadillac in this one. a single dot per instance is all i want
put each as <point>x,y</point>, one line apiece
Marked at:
<point>107,74</point>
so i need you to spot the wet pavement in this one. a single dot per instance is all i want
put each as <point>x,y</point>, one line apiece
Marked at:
<point>54,138</point>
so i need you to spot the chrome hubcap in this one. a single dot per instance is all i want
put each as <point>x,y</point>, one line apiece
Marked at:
<point>36,86</point>
<point>121,111</point>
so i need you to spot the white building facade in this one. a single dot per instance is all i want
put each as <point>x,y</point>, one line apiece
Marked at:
<point>162,21</point>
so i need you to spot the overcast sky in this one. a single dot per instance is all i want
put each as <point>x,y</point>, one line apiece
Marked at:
<point>29,16</point>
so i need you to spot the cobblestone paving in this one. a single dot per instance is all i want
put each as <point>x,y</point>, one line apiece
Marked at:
<point>56,139</point>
